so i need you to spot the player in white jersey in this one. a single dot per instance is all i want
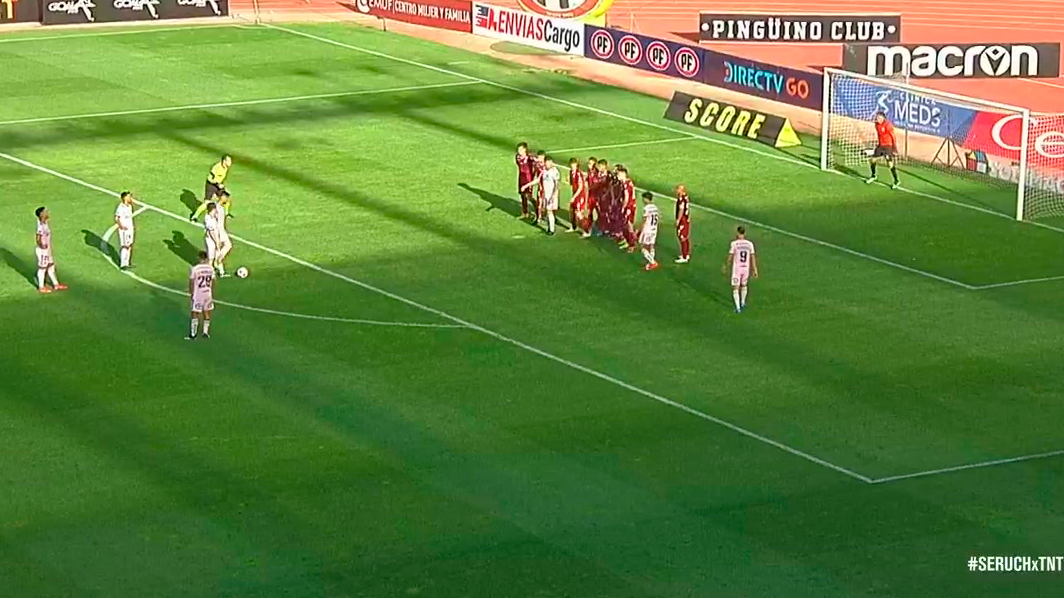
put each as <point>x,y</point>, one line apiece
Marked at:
<point>225,244</point>
<point>211,236</point>
<point>43,249</point>
<point>648,230</point>
<point>743,262</point>
<point>550,182</point>
<point>124,222</point>
<point>201,290</point>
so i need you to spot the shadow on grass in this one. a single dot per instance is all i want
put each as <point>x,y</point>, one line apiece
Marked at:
<point>94,241</point>
<point>25,269</point>
<point>180,246</point>
<point>496,202</point>
<point>189,198</point>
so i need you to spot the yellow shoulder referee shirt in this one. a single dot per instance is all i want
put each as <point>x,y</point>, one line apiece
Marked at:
<point>218,174</point>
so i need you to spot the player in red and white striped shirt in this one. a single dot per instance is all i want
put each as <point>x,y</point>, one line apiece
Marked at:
<point>683,224</point>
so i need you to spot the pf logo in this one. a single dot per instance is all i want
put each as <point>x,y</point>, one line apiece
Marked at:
<point>602,44</point>
<point>658,55</point>
<point>687,62</point>
<point>630,50</point>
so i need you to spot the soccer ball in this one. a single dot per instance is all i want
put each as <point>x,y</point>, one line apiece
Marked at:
<point>242,272</point>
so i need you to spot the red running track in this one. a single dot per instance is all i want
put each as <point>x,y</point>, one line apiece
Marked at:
<point>923,21</point>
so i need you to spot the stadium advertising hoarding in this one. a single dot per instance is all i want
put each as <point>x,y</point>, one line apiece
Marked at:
<point>546,33</point>
<point>646,53</point>
<point>567,9</point>
<point>441,14</point>
<point>779,83</point>
<point>954,61</point>
<point>798,28</point>
<point>20,11</point>
<point>729,119</point>
<point>916,113</point>
<point>63,12</point>
<point>1000,134</point>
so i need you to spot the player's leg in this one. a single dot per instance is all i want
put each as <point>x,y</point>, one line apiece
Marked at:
<point>736,282</point>
<point>195,215</point>
<point>212,251</point>
<point>550,221</point>
<point>193,327</point>
<point>872,166</point>
<point>685,247</point>
<point>742,294</point>
<point>893,172</point>
<point>55,280</point>
<point>207,323</point>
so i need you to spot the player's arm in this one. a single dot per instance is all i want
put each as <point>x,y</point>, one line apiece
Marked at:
<point>191,284</point>
<point>893,138</point>
<point>40,241</point>
<point>727,263</point>
<point>753,264</point>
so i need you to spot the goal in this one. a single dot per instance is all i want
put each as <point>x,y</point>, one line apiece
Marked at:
<point>986,143</point>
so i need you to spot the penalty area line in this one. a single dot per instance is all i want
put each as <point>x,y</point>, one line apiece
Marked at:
<point>105,242</point>
<point>486,331</point>
<point>934,472</point>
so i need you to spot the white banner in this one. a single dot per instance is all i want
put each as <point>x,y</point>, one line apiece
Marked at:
<point>556,35</point>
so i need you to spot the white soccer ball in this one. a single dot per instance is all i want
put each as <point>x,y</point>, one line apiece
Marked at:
<point>242,272</point>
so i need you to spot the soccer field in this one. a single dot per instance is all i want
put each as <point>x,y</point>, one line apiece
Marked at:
<point>417,394</point>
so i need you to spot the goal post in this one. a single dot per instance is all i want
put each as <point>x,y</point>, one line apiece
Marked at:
<point>1002,146</point>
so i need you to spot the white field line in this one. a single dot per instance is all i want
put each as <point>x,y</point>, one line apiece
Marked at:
<point>774,156</point>
<point>932,472</point>
<point>1014,283</point>
<point>617,145</point>
<point>317,96</point>
<point>107,237</point>
<point>496,335</point>
<point>13,40</point>
<point>827,244</point>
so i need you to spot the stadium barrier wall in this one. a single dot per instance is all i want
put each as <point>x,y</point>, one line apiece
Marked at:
<point>67,12</point>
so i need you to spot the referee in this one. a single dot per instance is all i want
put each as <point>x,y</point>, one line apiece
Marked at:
<point>215,187</point>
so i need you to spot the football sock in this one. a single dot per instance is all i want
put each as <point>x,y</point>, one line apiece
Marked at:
<point>735,296</point>
<point>894,173</point>
<point>194,327</point>
<point>873,165</point>
<point>40,278</point>
<point>200,210</point>
<point>653,255</point>
<point>524,204</point>
<point>742,296</point>
<point>648,255</point>
<point>685,248</point>
<point>206,326</point>
<point>51,276</point>
<point>550,221</point>
<point>124,256</point>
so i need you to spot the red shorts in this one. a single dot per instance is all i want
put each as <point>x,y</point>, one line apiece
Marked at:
<point>629,216</point>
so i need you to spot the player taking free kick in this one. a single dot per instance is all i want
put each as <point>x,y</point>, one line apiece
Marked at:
<point>43,249</point>
<point>886,149</point>
<point>648,230</point>
<point>201,291</point>
<point>743,262</point>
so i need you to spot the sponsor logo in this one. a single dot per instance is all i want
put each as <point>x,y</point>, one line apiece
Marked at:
<point>783,84</point>
<point>204,4</point>
<point>731,120</point>
<point>1006,170</point>
<point>444,14</point>
<point>630,49</point>
<point>799,28</point>
<point>148,5</point>
<point>1049,145</point>
<point>955,60</point>
<point>7,10</point>
<point>687,62</point>
<point>765,80</point>
<point>550,33</point>
<point>566,9</point>
<point>658,56</point>
<point>73,7</point>
<point>602,44</point>
<point>362,6</point>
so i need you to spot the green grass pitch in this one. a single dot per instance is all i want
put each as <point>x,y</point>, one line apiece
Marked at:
<point>556,422</point>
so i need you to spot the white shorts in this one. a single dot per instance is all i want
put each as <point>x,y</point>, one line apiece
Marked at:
<point>551,203</point>
<point>202,303</point>
<point>648,238</point>
<point>125,237</point>
<point>44,257</point>
<point>223,239</point>
<point>739,278</point>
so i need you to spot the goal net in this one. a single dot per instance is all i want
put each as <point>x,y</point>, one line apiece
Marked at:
<point>1003,147</point>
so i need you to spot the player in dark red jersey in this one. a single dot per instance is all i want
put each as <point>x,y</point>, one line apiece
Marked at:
<point>592,202</point>
<point>628,207</point>
<point>683,224</point>
<point>578,215</point>
<point>886,149</point>
<point>603,196</point>
<point>524,176</point>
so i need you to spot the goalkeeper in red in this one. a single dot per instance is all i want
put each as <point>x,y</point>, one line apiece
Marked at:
<point>886,149</point>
